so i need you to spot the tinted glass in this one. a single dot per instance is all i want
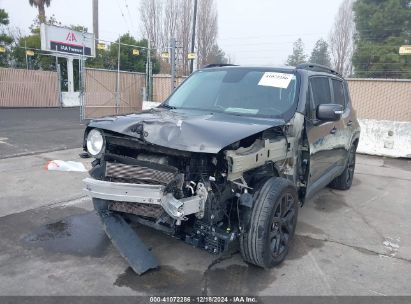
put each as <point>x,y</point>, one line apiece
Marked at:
<point>321,90</point>
<point>338,88</point>
<point>347,94</point>
<point>310,111</point>
<point>237,91</point>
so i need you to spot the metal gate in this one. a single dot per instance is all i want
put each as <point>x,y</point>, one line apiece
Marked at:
<point>108,92</point>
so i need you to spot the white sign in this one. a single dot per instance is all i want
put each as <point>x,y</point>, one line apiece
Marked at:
<point>277,80</point>
<point>66,41</point>
<point>405,50</point>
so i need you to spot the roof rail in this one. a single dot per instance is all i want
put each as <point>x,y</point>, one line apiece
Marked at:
<point>218,65</point>
<point>317,68</point>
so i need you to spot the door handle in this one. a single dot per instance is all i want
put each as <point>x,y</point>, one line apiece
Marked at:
<point>349,124</point>
<point>333,130</point>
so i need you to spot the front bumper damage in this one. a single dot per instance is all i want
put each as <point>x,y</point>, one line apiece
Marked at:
<point>147,194</point>
<point>119,231</point>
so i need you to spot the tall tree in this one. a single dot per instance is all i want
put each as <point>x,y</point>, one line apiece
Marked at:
<point>5,39</point>
<point>170,29</point>
<point>165,19</point>
<point>320,53</point>
<point>171,16</point>
<point>151,14</point>
<point>4,17</point>
<point>341,38</point>
<point>32,41</point>
<point>184,34</point>
<point>207,27</point>
<point>381,28</point>
<point>41,5</point>
<point>298,56</point>
<point>128,61</point>
<point>216,55</point>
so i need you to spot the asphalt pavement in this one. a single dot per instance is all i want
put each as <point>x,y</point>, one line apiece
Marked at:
<point>30,131</point>
<point>354,242</point>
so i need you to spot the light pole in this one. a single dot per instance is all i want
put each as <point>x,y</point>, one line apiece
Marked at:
<point>193,37</point>
<point>95,19</point>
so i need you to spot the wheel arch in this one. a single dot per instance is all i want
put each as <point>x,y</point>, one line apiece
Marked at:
<point>261,173</point>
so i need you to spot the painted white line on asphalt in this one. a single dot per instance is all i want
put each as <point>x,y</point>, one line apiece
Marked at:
<point>70,202</point>
<point>3,141</point>
<point>74,202</point>
<point>377,293</point>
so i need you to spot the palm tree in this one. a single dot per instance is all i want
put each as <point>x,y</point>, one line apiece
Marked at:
<point>40,4</point>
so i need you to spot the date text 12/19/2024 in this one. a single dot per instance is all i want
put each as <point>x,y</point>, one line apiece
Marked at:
<point>204,299</point>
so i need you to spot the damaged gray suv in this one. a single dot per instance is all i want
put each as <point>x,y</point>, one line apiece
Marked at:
<point>225,162</point>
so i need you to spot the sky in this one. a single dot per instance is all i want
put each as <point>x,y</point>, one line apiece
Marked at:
<point>256,32</point>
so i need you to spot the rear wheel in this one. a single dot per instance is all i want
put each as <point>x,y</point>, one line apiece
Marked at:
<point>344,181</point>
<point>272,224</point>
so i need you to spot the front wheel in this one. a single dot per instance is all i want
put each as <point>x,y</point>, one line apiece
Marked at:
<point>344,181</point>
<point>272,224</point>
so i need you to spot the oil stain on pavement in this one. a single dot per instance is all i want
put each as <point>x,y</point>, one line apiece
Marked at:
<point>82,235</point>
<point>165,280</point>
<point>328,201</point>
<point>79,235</point>
<point>231,276</point>
<point>235,280</point>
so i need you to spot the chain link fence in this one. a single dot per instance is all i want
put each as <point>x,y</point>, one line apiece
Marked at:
<point>162,86</point>
<point>381,99</point>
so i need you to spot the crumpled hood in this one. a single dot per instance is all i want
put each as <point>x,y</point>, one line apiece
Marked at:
<point>186,130</point>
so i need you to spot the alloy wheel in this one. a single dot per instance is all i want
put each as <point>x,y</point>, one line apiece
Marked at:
<point>283,223</point>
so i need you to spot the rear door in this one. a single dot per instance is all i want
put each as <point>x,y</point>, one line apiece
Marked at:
<point>343,135</point>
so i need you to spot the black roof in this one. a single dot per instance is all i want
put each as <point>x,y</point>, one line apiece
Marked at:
<point>317,68</point>
<point>218,65</point>
<point>306,66</point>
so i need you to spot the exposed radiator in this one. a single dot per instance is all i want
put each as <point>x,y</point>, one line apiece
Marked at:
<point>138,173</point>
<point>149,210</point>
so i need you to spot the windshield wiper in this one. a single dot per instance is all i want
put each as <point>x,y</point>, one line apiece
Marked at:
<point>167,106</point>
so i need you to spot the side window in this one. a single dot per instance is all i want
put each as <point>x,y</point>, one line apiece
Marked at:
<point>347,94</point>
<point>308,106</point>
<point>338,89</point>
<point>320,87</point>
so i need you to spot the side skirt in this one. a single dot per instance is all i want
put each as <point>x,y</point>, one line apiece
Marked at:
<point>323,181</point>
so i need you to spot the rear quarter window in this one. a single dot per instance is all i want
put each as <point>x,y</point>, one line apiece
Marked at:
<point>338,89</point>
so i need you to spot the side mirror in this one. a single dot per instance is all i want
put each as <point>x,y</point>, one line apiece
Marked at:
<point>329,112</point>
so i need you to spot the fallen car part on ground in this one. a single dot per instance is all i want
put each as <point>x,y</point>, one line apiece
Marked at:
<point>125,239</point>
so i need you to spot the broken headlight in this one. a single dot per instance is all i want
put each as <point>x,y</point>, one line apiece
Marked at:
<point>95,142</point>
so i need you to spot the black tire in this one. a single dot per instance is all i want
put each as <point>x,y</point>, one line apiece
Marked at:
<point>344,181</point>
<point>272,224</point>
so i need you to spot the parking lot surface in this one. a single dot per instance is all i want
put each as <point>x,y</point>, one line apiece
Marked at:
<point>355,242</point>
<point>29,131</point>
